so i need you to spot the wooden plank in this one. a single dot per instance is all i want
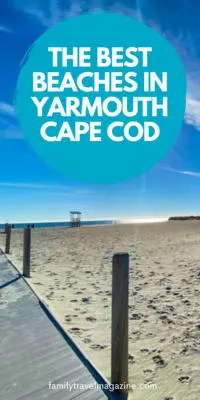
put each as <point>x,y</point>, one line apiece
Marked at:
<point>27,252</point>
<point>8,238</point>
<point>119,345</point>
<point>33,351</point>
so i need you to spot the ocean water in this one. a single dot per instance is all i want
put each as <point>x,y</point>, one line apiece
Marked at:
<point>57,224</point>
<point>89,223</point>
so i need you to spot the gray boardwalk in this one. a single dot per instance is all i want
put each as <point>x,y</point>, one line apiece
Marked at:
<point>35,351</point>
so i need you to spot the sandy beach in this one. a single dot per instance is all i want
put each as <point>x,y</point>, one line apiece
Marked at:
<point>71,270</point>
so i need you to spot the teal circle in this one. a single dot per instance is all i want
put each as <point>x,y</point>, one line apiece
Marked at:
<point>102,161</point>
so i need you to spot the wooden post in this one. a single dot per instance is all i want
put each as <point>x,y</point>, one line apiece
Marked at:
<point>119,345</point>
<point>8,237</point>
<point>27,252</point>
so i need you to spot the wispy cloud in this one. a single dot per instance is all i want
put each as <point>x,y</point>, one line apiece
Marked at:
<point>31,185</point>
<point>9,128</point>
<point>7,109</point>
<point>192,114</point>
<point>5,29</point>
<point>182,172</point>
<point>69,193</point>
<point>185,47</point>
<point>52,11</point>
<point>11,131</point>
<point>58,190</point>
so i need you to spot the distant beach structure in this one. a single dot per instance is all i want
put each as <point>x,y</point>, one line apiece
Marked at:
<point>75,219</point>
<point>185,218</point>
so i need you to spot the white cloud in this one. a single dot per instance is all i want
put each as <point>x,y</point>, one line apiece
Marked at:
<point>51,12</point>
<point>186,49</point>
<point>7,109</point>
<point>192,113</point>
<point>50,189</point>
<point>8,126</point>
<point>5,29</point>
<point>11,131</point>
<point>182,172</point>
<point>31,185</point>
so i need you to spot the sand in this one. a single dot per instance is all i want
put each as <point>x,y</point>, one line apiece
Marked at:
<point>71,270</point>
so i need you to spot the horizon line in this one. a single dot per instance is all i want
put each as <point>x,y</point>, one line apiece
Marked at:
<point>113,219</point>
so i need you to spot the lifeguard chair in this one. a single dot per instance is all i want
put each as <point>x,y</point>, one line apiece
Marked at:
<point>75,219</point>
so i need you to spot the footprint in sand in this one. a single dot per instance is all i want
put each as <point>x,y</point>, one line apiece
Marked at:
<point>159,361</point>
<point>75,330</point>
<point>51,273</point>
<point>136,316</point>
<point>184,379</point>
<point>87,340</point>
<point>91,319</point>
<point>144,350</point>
<point>68,319</point>
<point>98,347</point>
<point>50,295</point>
<point>86,300</point>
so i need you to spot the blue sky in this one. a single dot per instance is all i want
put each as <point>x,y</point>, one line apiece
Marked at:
<point>30,190</point>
